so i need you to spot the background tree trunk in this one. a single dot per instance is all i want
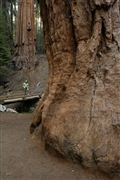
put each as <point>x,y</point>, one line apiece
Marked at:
<point>80,112</point>
<point>25,36</point>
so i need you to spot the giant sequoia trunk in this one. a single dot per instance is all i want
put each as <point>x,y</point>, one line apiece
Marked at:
<point>25,36</point>
<point>80,112</point>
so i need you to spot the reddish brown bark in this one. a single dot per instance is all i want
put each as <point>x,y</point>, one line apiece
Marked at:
<point>25,36</point>
<point>80,112</point>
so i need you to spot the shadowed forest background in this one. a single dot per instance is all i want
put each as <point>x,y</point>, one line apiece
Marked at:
<point>8,23</point>
<point>22,52</point>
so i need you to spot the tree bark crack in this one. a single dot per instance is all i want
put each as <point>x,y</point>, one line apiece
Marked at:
<point>92,102</point>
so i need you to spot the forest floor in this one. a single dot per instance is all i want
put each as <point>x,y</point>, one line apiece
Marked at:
<point>23,157</point>
<point>37,79</point>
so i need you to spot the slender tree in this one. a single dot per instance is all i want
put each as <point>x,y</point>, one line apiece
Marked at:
<point>25,36</point>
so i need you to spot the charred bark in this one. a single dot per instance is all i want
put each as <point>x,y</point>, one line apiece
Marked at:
<point>80,112</point>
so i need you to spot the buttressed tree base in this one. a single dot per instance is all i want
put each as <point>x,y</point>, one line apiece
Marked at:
<point>80,111</point>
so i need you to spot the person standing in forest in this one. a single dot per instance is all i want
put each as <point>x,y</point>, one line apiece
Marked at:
<point>26,87</point>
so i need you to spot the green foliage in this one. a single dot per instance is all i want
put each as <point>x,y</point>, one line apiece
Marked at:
<point>5,53</point>
<point>40,42</point>
<point>4,72</point>
<point>39,30</point>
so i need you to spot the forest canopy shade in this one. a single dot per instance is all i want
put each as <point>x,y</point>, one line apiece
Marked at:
<point>80,112</point>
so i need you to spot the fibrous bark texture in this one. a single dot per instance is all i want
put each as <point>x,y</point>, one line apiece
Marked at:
<point>25,36</point>
<point>80,112</point>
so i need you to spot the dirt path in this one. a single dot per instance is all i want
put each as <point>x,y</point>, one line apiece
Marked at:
<point>24,158</point>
